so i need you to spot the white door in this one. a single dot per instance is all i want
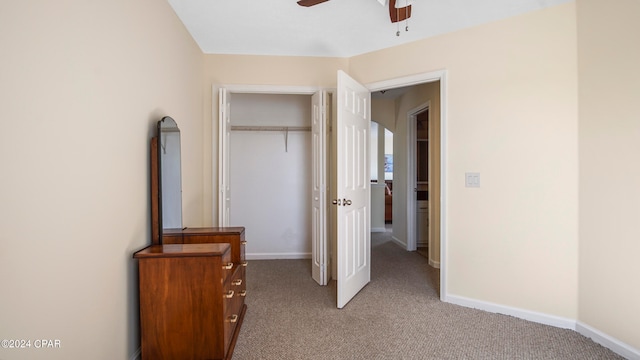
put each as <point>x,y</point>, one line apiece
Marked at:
<point>353,193</point>
<point>224,135</point>
<point>319,249</point>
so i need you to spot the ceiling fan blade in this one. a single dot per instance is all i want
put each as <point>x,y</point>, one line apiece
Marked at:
<point>308,3</point>
<point>400,13</point>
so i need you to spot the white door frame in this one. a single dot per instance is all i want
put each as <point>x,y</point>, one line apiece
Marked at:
<point>319,189</point>
<point>224,191</point>
<point>417,79</point>
<point>412,182</point>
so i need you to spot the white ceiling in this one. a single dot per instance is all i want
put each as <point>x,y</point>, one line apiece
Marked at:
<point>337,28</point>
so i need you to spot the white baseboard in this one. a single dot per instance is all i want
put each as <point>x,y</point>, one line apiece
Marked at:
<point>537,317</point>
<point>277,256</point>
<point>609,342</point>
<point>599,337</point>
<point>435,264</point>
<point>136,355</point>
<point>379,229</point>
<point>397,241</point>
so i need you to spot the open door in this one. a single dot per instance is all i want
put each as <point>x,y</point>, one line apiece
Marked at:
<point>224,136</point>
<point>319,247</point>
<point>353,188</point>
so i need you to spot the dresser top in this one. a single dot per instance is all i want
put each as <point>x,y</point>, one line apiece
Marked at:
<point>182,250</point>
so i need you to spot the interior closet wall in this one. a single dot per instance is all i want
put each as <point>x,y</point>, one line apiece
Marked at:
<point>270,175</point>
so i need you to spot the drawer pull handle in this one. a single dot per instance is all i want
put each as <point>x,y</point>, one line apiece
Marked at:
<point>229,294</point>
<point>237,282</point>
<point>233,318</point>
<point>244,242</point>
<point>229,266</point>
<point>244,263</point>
<point>243,293</point>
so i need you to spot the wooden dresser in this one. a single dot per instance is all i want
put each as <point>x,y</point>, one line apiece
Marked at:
<point>192,280</point>
<point>191,299</point>
<point>230,235</point>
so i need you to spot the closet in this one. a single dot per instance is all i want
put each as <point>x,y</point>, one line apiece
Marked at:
<point>270,172</point>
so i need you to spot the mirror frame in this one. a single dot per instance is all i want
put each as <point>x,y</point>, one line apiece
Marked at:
<point>157,227</point>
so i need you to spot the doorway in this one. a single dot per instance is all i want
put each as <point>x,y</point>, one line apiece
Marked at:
<point>404,192</point>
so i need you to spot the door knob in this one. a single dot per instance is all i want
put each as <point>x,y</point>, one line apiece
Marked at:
<point>347,202</point>
<point>336,202</point>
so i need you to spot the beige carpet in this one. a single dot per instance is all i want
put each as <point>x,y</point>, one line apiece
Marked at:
<point>397,316</point>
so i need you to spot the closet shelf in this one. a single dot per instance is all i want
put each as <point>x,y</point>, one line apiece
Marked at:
<point>270,128</point>
<point>285,129</point>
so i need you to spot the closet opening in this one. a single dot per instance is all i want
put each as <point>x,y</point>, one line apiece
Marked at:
<point>270,169</point>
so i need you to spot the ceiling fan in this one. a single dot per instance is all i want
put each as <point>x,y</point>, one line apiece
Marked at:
<point>397,12</point>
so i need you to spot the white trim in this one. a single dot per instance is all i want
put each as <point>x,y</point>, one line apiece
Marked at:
<point>440,75</point>
<point>215,154</point>
<point>223,156</point>
<point>443,186</point>
<point>410,80</point>
<point>596,335</point>
<point>277,256</point>
<point>435,264</point>
<point>272,89</point>
<point>378,230</point>
<point>529,315</point>
<point>607,341</point>
<point>399,242</point>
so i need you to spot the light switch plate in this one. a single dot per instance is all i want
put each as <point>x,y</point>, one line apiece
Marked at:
<point>472,179</point>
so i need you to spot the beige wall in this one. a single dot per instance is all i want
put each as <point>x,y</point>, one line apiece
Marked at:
<point>512,116</point>
<point>383,112</point>
<point>609,54</point>
<point>82,84</point>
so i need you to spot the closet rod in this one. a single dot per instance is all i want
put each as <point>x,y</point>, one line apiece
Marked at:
<point>285,129</point>
<point>270,128</point>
